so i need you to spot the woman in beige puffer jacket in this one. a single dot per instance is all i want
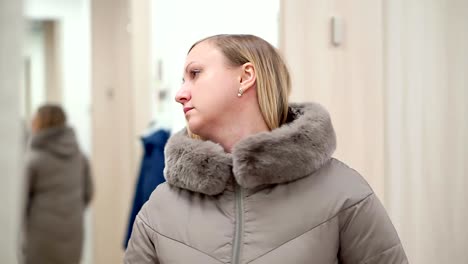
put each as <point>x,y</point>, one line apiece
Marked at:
<point>251,179</point>
<point>58,189</point>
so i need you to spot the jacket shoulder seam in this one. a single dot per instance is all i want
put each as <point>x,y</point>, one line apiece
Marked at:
<point>354,204</point>
<point>312,228</point>
<point>159,233</point>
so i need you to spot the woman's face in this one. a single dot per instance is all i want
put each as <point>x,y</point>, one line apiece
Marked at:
<point>209,90</point>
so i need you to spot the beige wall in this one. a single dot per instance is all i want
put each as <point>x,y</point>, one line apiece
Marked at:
<point>397,90</point>
<point>121,110</point>
<point>11,30</point>
<point>346,79</point>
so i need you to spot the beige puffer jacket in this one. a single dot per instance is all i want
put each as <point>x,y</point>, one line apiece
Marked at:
<point>58,188</point>
<point>278,198</point>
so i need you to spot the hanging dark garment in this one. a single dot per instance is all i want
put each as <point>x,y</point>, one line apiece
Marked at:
<point>151,173</point>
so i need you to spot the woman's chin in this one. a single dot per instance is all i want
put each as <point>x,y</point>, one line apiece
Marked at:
<point>194,127</point>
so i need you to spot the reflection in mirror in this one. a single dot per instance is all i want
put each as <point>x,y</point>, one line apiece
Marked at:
<point>57,176</point>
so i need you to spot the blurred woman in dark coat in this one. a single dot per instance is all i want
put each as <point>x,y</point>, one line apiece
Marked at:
<point>58,190</point>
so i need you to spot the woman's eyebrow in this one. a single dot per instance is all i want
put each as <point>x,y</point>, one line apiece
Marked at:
<point>186,67</point>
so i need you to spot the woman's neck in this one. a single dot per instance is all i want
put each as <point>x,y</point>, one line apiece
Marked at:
<point>244,125</point>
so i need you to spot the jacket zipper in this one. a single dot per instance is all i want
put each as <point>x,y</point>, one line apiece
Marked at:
<point>239,225</point>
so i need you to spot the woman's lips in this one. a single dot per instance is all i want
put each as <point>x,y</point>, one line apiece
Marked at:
<point>186,109</point>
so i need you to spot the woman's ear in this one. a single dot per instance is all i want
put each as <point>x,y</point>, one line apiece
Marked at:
<point>248,76</point>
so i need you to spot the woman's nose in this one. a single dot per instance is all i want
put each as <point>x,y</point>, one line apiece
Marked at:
<point>183,95</point>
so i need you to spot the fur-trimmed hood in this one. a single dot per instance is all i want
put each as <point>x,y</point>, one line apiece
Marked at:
<point>290,152</point>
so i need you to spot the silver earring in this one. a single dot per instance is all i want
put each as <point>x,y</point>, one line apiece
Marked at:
<point>239,94</point>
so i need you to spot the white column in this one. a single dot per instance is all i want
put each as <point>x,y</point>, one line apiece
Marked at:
<point>426,99</point>
<point>11,29</point>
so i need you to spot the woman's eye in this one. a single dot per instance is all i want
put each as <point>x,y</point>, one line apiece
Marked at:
<point>194,73</point>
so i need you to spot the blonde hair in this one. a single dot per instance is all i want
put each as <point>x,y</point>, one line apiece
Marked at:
<point>51,115</point>
<point>273,80</point>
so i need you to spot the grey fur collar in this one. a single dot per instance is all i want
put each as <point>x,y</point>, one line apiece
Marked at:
<point>295,150</point>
